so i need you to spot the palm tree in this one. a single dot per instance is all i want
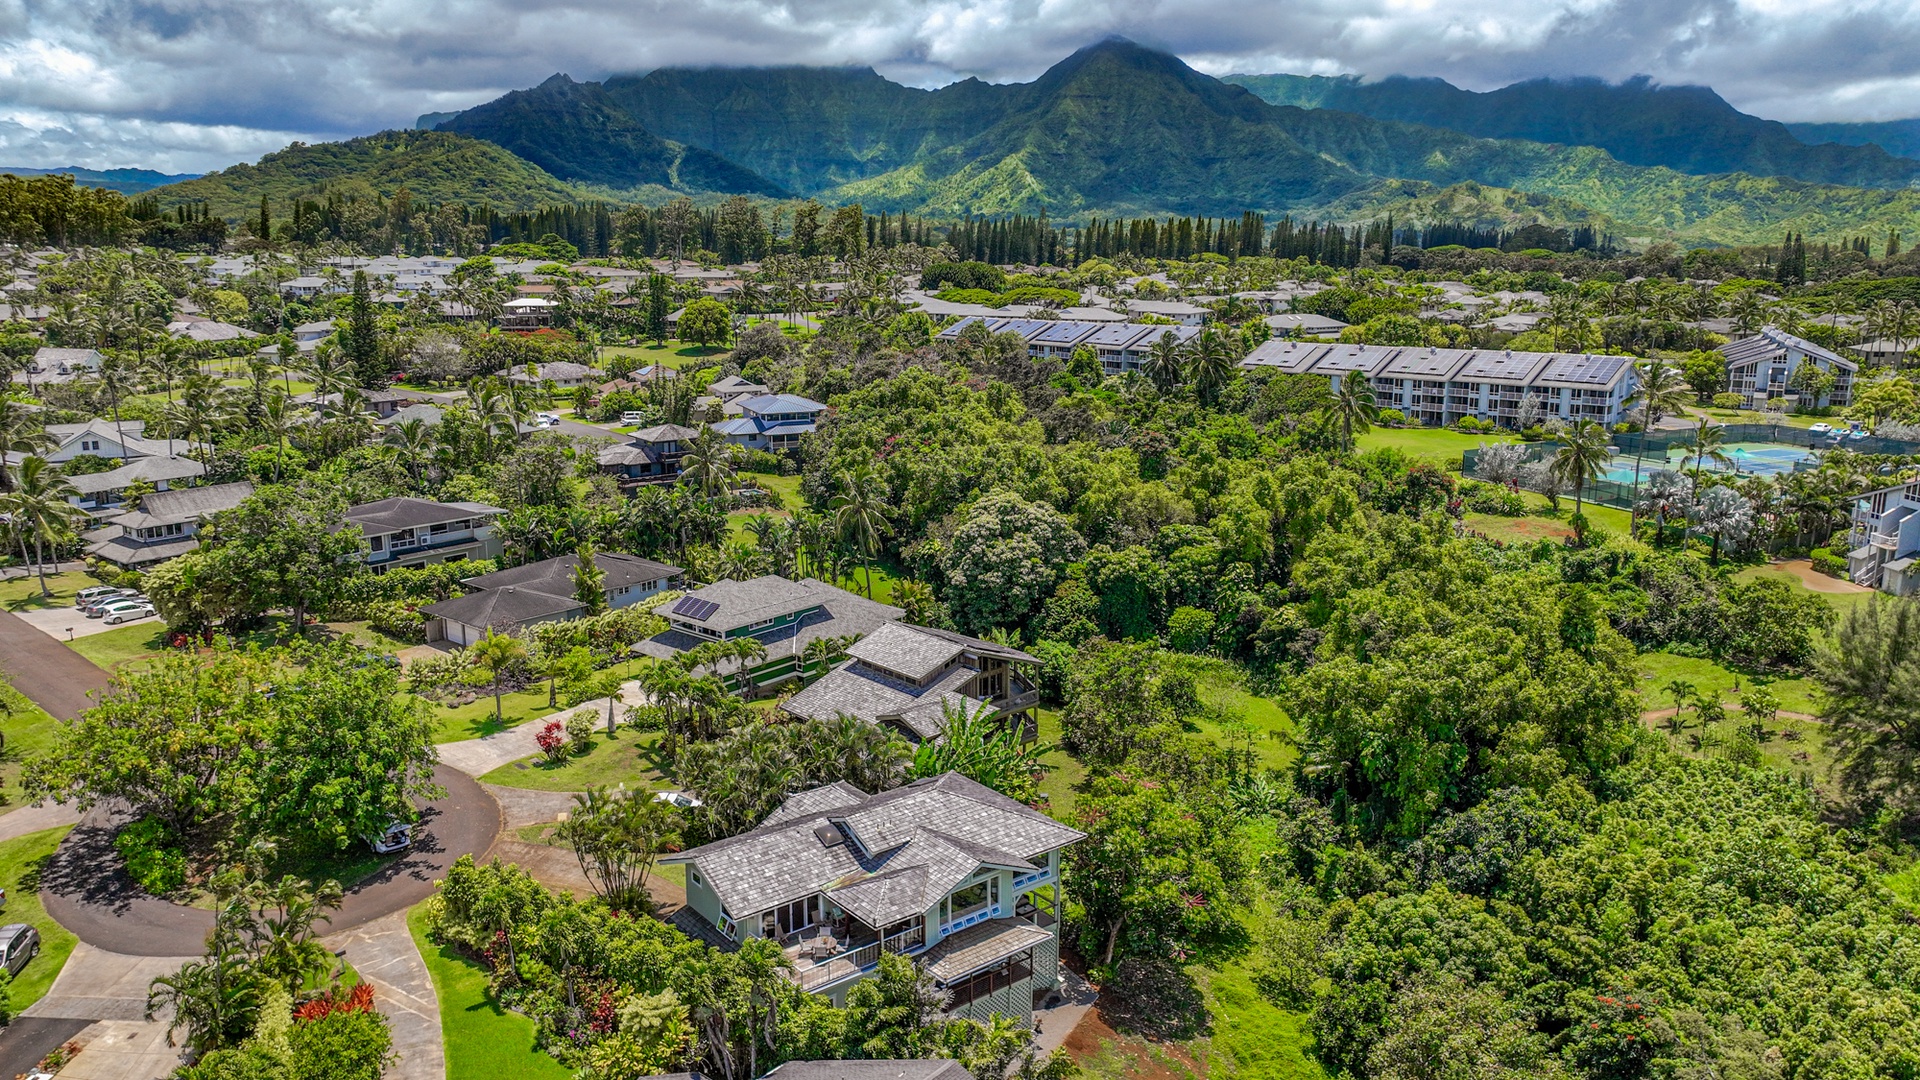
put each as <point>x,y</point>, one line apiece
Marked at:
<point>1708,444</point>
<point>1163,365</point>
<point>39,506</point>
<point>1210,358</point>
<point>277,422</point>
<point>1748,311</point>
<point>1352,408</point>
<point>414,441</point>
<point>20,433</point>
<point>859,515</point>
<point>1722,512</point>
<point>709,463</point>
<point>494,654</point>
<point>1581,459</point>
<point>1662,391</point>
<point>1667,492</point>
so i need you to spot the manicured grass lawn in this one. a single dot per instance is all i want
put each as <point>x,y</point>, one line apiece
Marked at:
<point>1657,669</point>
<point>1425,442</point>
<point>483,1041</point>
<point>673,354</point>
<point>23,594</point>
<point>20,862</point>
<point>474,719</point>
<point>1544,523</point>
<point>111,648</point>
<point>629,757</point>
<point>29,731</point>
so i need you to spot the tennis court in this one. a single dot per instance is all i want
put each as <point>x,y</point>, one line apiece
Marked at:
<point>1746,458</point>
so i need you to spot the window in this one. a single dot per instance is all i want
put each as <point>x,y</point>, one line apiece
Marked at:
<point>376,543</point>
<point>694,876</point>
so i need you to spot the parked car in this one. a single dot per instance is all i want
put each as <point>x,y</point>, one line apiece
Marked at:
<point>92,606</point>
<point>631,418</point>
<point>97,592</point>
<point>398,837</point>
<point>19,943</point>
<point>126,611</point>
<point>1821,428</point>
<point>680,799</point>
<point>546,419</point>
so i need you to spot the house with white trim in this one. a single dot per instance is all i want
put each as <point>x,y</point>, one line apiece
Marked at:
<point>1884,540</point>
<point>414,532</point>
<point>1761,368</point>
<point>946,871</point>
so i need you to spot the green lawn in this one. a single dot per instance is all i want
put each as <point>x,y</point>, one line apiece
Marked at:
<point>474,719</point>
<point>629,757</point>
<point>1252,1037</point>
<point>1426,442</point>
<point>111,648</point>
<point>1657,669</point>
<point>21,860</point>
<point>23,594</point>
<point>483,1041</point>
<point>1840,602</point>
<point>1542,522</point>
<point>1065,774</point>
<point>29,731</point>
<point>675,355</point>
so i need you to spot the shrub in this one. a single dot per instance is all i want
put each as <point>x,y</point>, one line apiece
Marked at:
<point>1728,400</point>
<point>1190,629</point>
<point>1494,499</point>
<point>580,730</point>
<point>1826,562</point>
<point>553,741</point>
<point>1391,418</point>
<point>153,862</point>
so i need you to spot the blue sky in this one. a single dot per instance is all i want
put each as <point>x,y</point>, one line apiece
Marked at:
<point>192,85</point>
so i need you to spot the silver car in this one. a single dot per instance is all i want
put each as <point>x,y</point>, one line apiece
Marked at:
<point>19,943</point>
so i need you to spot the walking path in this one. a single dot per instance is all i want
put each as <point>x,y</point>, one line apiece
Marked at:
<point>32,819</point>
<point>478,757</point>
<point>383,952</point>
<point>55,677</point>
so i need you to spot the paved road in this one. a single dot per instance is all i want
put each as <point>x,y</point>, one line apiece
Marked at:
<point>30,1038</point>
<point>54,676</point>
<point>104,908</point>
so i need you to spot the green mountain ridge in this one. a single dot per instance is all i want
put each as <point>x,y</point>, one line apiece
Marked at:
<point>1900,137</point>
<point>1689,129</point>
<point>434,166</point>
<point>572,131</point>
<point>124,181</point>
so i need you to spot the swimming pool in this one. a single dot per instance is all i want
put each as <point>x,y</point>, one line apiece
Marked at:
<point>1748,458</point>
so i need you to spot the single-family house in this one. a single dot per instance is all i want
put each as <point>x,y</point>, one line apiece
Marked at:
<point>782,615</point>
<point>208,330</point>
<point>1762,367</point>
<point>50,366</point>
<point>124,441</point>
<point>509,600</point>
<point>1884,539</point>
<point>771,421</point>
<point>526,312</point>
<point>906,677</point>
<point>308,336</point>
<point>946,871</point>
<point>414,532</point>
<point>161,472</point>
<point>563,374</point>
<point>649,456</point>
<point>165,527</point>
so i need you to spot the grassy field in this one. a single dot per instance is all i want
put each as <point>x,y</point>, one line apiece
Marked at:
<point>111,648</point>
<point>474,719</point>
<point>483,1041</point>
<point>1222,688</point>
<point>1545,523</point>
<point>1064,773</point>
<point>629,757</point>
<point>673,354</point>
<point>28,731</point>
<point>20,862</point>
<point>23,594</point>
<point>1840,602</point>
<point>1657,669</point>
<point>1425,442</point>
<point>1252,1037</point>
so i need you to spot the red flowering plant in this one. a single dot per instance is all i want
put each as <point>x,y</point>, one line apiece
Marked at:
<point>358,999</point>
<point>1618,1037</point>
<point>553,741</point>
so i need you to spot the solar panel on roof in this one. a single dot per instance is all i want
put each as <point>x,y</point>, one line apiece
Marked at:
<point>695,608</point>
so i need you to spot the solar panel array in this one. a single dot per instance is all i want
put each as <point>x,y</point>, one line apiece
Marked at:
<point>1584,370</point>
<point>695,608</point>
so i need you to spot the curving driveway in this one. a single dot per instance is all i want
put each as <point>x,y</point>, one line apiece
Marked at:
<point>85,887</point>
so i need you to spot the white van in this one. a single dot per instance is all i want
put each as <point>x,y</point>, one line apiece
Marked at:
<point>632,419</point>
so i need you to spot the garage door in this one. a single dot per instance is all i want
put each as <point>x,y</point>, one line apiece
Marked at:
<point>461,634</point>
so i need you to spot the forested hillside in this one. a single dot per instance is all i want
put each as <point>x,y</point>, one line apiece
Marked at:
<point>1689,129</point>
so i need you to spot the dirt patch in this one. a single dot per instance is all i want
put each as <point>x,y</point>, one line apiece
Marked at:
<point>1520,530</point>
<point>1814,580</point>
<point>1107,1053</point>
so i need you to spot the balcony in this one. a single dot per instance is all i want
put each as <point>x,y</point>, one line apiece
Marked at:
<point>824,955</point>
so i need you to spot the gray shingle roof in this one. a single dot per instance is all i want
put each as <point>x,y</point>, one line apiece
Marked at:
<point>861,691</point>
<point>942,825</point>
<point>902,649</point>
<point>388,515</point>
<point>186,504</point>
<point>742,603</point>
<point>151,469</point>
<point>980,946</point>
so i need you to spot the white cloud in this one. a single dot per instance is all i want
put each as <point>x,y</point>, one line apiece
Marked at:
<point>201,83</point>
